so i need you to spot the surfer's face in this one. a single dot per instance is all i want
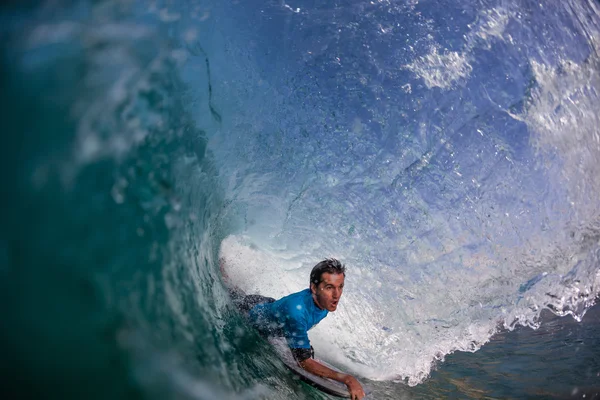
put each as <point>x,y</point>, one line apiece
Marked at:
<point>327,294</point>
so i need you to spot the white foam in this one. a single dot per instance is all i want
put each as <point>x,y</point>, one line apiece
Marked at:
<point>491,25</point>
<point>441,70</point>
<point>258,272</point>
<point>444,68</point>
<point>562,115</point>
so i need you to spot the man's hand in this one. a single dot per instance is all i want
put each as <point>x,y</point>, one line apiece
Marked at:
<point>354,387</point>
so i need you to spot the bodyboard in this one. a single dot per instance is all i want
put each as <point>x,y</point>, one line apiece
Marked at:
<point>326,385</point>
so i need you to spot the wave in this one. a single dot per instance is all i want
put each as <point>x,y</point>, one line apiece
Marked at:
<point>450,159</point>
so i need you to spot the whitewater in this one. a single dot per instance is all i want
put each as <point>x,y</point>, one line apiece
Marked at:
<point>448,153</point>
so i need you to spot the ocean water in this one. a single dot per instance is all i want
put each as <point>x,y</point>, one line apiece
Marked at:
<point>448,152</point>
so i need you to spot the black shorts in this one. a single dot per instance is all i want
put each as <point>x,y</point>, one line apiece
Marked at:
<point>245,303</point>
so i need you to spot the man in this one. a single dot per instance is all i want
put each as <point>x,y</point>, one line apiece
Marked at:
<point>293,315</point>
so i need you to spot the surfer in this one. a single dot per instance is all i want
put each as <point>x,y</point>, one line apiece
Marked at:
<point>293,315</point>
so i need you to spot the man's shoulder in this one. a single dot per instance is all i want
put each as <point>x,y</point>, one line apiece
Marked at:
<point>296,302</point>
<point>297,297</point>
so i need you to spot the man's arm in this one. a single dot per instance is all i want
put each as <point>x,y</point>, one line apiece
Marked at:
<point>314,367</point>
<point>297,339</point>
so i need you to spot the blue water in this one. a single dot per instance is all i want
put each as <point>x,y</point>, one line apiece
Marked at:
<point>448,152</point>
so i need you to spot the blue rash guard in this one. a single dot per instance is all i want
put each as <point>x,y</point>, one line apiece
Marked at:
<point>291,316</point>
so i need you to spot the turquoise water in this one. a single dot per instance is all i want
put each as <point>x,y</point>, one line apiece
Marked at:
<point>447,152</point>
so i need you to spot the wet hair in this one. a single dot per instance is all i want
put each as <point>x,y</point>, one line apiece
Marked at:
<point>330,265</point>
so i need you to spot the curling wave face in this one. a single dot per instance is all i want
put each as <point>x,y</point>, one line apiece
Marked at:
<point>447,153</point>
